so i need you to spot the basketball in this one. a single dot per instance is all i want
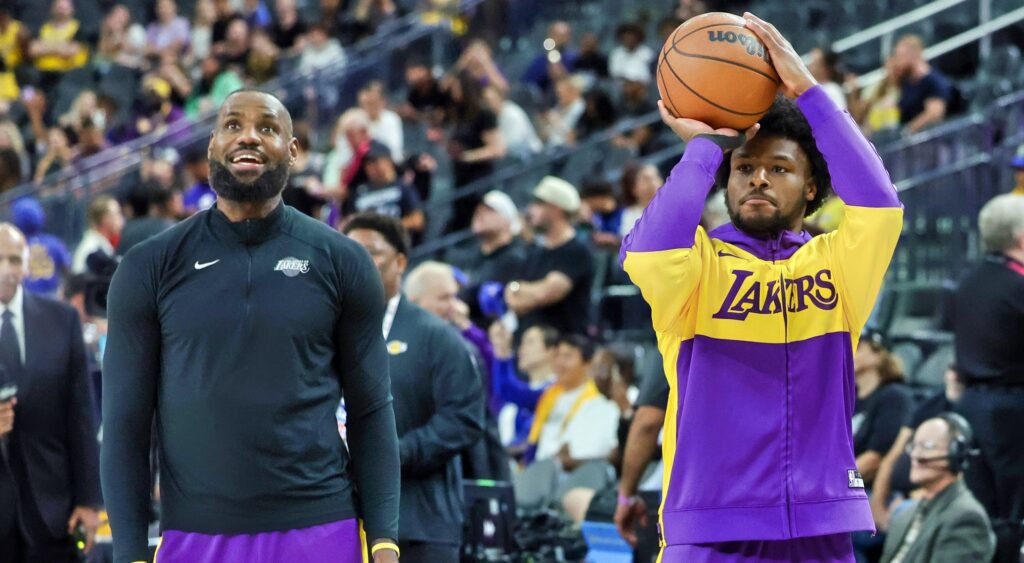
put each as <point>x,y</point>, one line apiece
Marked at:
<point>713,69</point>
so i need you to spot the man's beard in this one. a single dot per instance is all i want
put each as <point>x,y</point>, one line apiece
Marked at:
<point>267,185</point>
<point>761,226</point>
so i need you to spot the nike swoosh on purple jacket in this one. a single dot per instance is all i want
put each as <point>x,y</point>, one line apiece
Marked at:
<point>757,337</point>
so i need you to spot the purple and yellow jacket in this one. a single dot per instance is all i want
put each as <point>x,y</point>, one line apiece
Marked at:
<point>758,338</point>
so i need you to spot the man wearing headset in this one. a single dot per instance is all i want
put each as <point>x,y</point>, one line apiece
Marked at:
<point>948,525</point>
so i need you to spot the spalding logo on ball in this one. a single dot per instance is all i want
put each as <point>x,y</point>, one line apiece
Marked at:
<point>713,69</point>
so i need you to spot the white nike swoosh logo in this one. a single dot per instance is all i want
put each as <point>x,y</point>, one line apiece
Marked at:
<point>206,265</point>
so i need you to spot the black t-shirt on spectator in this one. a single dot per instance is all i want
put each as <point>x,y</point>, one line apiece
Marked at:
<point>913,95</point>
<point>285,38</point>
<point>878,417</point>
<point>396,200</point>
<point>432,98</point>
<point>653,391</point>
<point>219,30</point>
<point>575,261</point>
<point>595,63</point>
<point>504,264</point>
<point>296,194</point>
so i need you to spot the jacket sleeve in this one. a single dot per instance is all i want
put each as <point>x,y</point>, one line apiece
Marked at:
<point>662,253</point>
<point>966,537</point>
<point>362,363</point>
<point>81,419</point>
<point>508,388</point>
<point>862,247</point>
<point>131,368</point>
<point>458,419</point>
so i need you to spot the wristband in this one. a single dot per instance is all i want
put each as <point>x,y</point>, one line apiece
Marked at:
<point>624,500</point>
<point>385,545</point>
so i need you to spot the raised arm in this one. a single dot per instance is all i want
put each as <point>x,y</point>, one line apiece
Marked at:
<point>362,364</point>
<point>131,367</point>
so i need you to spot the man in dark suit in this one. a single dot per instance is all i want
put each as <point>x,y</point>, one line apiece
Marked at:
<point>439,403</point>
<point>948,525</point>
<point>50,452</point>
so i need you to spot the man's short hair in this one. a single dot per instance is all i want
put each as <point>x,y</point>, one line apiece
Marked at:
<point>98,209</point>
<point>389,227</point>
<point>1001,222</point>
<point>584,345</point>
<point>785,120</point>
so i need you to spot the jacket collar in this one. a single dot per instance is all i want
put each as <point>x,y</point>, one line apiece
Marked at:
<point>250,231</point>
<point>780,247</point>
<point>944,498</point>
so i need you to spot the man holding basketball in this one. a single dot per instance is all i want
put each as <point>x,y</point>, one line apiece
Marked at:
<point>757,323</point>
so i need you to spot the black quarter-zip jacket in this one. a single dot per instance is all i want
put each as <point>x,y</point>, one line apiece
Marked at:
<point>240,339</point>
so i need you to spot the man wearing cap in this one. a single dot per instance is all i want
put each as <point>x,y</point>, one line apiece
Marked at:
<point>554,288</point>
<point>497,254</point>
<point>1018,171</point>
<point>48,258</point>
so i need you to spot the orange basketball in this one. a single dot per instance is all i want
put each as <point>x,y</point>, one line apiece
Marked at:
<point>715,70</point>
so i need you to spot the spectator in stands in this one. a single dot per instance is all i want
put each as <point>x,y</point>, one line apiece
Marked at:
<point>591,62</point>
<point>320,50</point>
<point>305,191</point>
<point>199,195</point>
<point>474,144</point>
<point>216,82</point>
<point>573,431</point>
<point>385,193</point>
<point>50,453</point>
<point>14,42</point>
<point>385,125</point>
<point>514,124</point>
<point>170,32</point>
<point>602,210</point>
<point>156,112</point>
<point>10,169</point>
<point>882,402</point>
<point>639,184</point>
<point>255,14</point>
<point>631,59</point>
<point>599,114</point>
<point>262,63</point>
<point>877,107</point>
<point>234,49</point>
<point>225,15</point>
<point>988,321</point>
<point>439,405</point>
<point>635,102</point>
<point>426,101</point>
<point>58,47</point>
<point>331,14</point>
<point>518,397</point>
<point>59,154</point>
<point>496,254</point>
<point>122,42</point>
<point>690,8</point>
<point>1017,163</point>
<point>924,91</point>
<point>892,481</point>
<point>948,524</point>
<point>104,232</point>
<point>48,259</point>
<point>171,68</point>
<point>559,122</point>
<point>345,168</point>
<point>558,59</point>
<point>163,206</point>
<point>825,67</point>
<point>363,19</point>
<point>554,288</point>
<point>288,29</point>
<point>201,35</point>
<point>478,61</point>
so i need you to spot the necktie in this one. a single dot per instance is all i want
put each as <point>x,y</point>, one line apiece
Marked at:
<point>10,352</point>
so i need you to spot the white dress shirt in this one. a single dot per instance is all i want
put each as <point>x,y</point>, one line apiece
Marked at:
<point>16,306</point>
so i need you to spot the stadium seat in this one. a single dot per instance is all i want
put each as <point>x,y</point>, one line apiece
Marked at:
<point>910,355</point>
<point>932,371</point>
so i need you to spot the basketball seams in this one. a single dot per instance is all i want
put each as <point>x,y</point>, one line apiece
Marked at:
<point>695,93</point>
<point>667,94</point>
<point>726,61</point>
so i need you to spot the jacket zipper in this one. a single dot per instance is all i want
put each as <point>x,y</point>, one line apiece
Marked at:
<point>773,247</point>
